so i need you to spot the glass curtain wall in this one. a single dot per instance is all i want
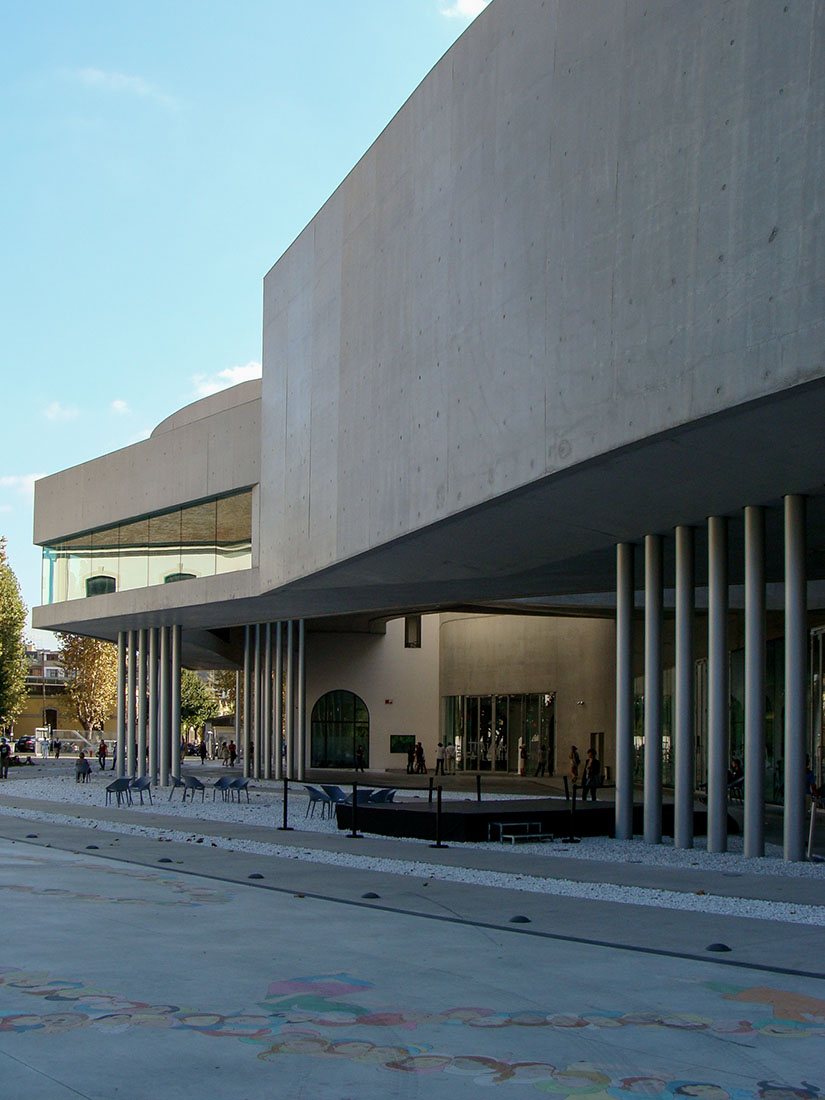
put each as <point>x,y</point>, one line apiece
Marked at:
<point>490,731</point>
<point>340,723</point>
<point>196,540</point>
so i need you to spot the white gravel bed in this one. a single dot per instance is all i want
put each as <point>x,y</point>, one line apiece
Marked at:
<point>627,895</point>
<point>265,810</point>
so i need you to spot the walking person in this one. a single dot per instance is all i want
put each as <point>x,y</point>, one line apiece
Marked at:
<point>542,764</point>
<point>440,757</point>
<point>101,754</point>
<point>411,759</point>
<point>360,763</point>
<point>575,760</point>
<point>591,776</point>
<point>5,756</point>
<point>420,762</point>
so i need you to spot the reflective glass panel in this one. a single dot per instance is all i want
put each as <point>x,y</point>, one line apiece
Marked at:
<point>133,561</point>
<point>234,533</point>
<point>198,533</point>
<point>164,546</point>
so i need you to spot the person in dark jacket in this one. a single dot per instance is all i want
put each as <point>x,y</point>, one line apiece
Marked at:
<point>591,776</point>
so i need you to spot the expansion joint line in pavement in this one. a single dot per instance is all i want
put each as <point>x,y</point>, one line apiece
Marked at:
<point>516,930</point>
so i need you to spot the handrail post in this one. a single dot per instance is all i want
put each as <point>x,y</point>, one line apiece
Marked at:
<point>430,796</point>
<point>438,843</point>
<point>285,828</point>
<point>478,787</point>
<point>354,835</point>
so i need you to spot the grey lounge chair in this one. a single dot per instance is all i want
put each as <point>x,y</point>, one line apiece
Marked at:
<point>223,784</point>
<point>120,789</point>
<point>190,785</point>
<point>337,794</point>
<point>174,783</point>
<point>240,785</point>
<point>315,796</point>
<point>386,794</point>
<point>142,786</point>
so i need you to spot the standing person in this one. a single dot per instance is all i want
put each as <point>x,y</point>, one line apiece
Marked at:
<point>58,745</point>
<point>440,757</point>
<point>202,751</point>
<point>233,753</point>
<point>114,756</point>
<point>101,754</point>
<point>542,764</point>
<point>522,758</point>
<point>411,759</point>
<point>5,754</point>
<point>591,776</point>
<point>420,762</point>
<point>359,759</point>
<point>450,755</point>
<point>575,760</point>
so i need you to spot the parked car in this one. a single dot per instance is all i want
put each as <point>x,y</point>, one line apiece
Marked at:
<point>24,744</point>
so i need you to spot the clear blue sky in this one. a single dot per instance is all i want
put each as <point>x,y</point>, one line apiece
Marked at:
<point>158,157</point>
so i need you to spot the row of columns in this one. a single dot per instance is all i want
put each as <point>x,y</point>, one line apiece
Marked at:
<point>274,700</point>
<point>718,706</point>
<point>148,703</point>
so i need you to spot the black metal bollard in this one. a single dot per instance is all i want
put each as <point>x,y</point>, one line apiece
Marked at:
<point>478,788</point>
<point>438,843</point>
<point>285,828</point>
<point>572,839</point>
<point>354,835</point>
<point>430,796</point>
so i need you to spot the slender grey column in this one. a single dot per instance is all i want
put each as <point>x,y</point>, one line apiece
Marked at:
<point>141,704</point>
<point>654,599</point>
<point>121,702</point>
<point>257,709</point>
<point>754,761</point>
<point>131,699</point>
<point>290,699</point>
<point>718,684</point>
<point>174,700</point>
<point>302,700</point>
<point>153,704</point>
<point>247,698</point>
<point>267,703</point>
<point>165,710</point>
<point>624,690</point>
<point>279,699</point>
<point>685,741</point>
<point>796,644</point>
<point>236,725</point>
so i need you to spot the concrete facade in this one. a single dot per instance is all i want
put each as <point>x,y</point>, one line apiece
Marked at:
<point>572,299</point>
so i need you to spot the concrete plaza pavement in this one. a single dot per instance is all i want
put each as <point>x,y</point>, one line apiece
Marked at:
<point>128,958</point>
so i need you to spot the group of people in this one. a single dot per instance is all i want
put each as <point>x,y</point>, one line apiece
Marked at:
<point>591,777</point>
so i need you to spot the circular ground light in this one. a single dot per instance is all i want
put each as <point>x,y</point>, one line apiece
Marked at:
<point>31,836</point>
<point>92,848</point>
<point>520,919</point>
<point>718,947</point>
<point>164,859</point>
<point>255,875</point>
<point>370,894</point>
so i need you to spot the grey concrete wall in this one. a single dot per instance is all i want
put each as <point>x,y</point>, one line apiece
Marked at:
<point>213,448</point>
<point>511,655</point>
<point>592,222</point>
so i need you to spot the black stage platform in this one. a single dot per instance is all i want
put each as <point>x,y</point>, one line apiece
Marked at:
<point>470,820</point>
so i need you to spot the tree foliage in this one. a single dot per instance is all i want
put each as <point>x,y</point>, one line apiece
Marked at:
<point>90,667</point>
<point>198,702</point>
<point>12,646</point>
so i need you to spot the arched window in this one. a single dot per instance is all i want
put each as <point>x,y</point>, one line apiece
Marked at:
<point>340,723</point>
<point>100,586</point>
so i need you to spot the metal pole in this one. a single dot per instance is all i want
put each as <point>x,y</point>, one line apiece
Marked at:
<point>624,690</point>
<point>257,709</point>
<point>131,699</point>
<point>718,684</point>
<point>267,703</point>
<point>141,704</point>
<point>438,843</point>
<point>174,700</point>
<point>654,598</point>
<point>684,732</point>
<point>795,678</point>
<point>279,699</point>
<point>354,835</point>
<point>290,698</point>
<point>478,788</point>
<point>121,701</point>
<point>247,698</point>
<point>165,713</point>
<point>302,700</point>
<point>285,828</point>
<point>153,704</point>
<point>754,761</point>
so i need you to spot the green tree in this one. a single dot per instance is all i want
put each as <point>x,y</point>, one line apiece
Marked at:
<point>12,646</point>
<point>90,667</point>
<point>198,702</point>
